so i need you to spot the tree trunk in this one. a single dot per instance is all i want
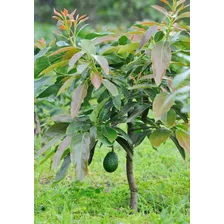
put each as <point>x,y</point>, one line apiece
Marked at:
<point>130,176</point>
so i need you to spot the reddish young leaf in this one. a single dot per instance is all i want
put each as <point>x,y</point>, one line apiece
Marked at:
<point>160,9</point>
<point>78,95</point>
<point>62,27</point>
<point>66,84</point>
<point>64,49</point>
<point>96,79</point>
<point>161,57</point>
<point>65,12</point>
<point>183,138</point>
<point>56,17</point>
<point>165,1</point>
<point>102,62</point>
<point>57,13</point>
<point>103,39</point>
<point>75,58</point>
<point>151,30</point>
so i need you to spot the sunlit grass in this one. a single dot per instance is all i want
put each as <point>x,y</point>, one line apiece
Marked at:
<point>162,178</point>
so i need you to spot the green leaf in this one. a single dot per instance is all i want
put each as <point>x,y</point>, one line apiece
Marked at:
<point>159,36</point>
<point>180,149</point>
<point>183,138</point>
<point>41,53</point>
<point>96,79</point>
<point>170,118</point>
<point>80,154</point>
<point>62,44</point>
<point>123,135</point>
<point>117,102</point>
<point>93,136</point>
<point>183,15</point>
<point>102,61</point>
<point>78,95</point>
<point>91,154</point>
<point>56,129</point>
<point>161,104</point>
<point>77,126</point>
<point>180,78</point>
<point>161,58</point>
<point>94,115</point>
<point>61,148</point>
<point>74,59</point>
<point>51,90</point>
<point>138,137</point>
<point>123,40</point>
<point>62,118</point>
<point>66,84</point>
<point>125,145</point>
<point>51,143</point>
<point>128,48</point>
<point>159,136</point>
<point>52,67</point>
<point>42,84</point>
<point>93,35</point>
<point>109,133</point>
<point>64,168</point>
<point>88,46</point>
<point>136,112</point>
<point>110,87</point>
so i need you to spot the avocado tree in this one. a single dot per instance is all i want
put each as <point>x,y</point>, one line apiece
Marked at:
<point>139,79</point>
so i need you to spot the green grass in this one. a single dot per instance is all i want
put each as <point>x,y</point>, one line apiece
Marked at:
<point>162,178</point>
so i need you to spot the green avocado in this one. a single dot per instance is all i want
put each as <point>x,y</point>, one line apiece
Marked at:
<point>110,162</point>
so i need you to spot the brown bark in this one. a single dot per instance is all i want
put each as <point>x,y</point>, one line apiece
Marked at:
<point>130,176</point>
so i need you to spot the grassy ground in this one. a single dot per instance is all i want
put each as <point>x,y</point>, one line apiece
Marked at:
<point>162,178</point>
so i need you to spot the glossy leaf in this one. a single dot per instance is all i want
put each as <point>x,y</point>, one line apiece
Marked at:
<point>183,138</point>
<point>136,112</point>
<point>96,79</point>
<point>64,49</point>
<point>102,61</point>
<point>66,84</point>
<point>123,135</point>
<point>52,67</point>
<point>42,84</point>
<point>78,95</point>
<point>110,87</point>
<point>88,46</point>
<point>51,143</point>
<point>159,136</point>
<point>77,126</point>
<point>159,36</point>
<point>74,59</point>
<point>61,148</point>
<point>62,118</point>
<point>80,154</point>
<point>109,133</point>
<point>161,104</point>
<point>128,48</point>
<point>183,15</point>
<point>125,145</point>
<point>161,58</point>
<point>117,102</point>
<point>151,30</point>
<point>160,9</point>
<point>64,168</point>
<point>94,115</point>
<point>180,149</point>
<point>170,118</point>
